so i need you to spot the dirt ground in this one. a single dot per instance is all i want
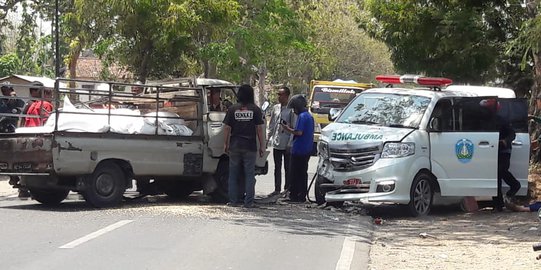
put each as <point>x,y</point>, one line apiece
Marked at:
<point>451,239</point>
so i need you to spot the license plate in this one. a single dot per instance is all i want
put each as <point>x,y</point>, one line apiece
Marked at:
<point>352,182</point>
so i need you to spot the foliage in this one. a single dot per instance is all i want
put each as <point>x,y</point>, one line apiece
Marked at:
<point>456,38</point>
<point>343,50</point>
<point>9,64</point>
<point>151,37</point>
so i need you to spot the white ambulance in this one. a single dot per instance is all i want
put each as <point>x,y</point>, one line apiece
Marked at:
<point>405,145</point>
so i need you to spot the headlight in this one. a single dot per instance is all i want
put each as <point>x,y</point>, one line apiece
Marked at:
<point>397,150</point>
<point>323,149</point>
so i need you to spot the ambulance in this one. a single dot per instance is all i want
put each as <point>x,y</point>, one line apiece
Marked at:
<point>416,146</point>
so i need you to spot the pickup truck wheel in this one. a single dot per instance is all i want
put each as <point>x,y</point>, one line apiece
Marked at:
<point>421,195</point>
<point>106,186</point>
<point>221,177</point>
<point>49,196</point>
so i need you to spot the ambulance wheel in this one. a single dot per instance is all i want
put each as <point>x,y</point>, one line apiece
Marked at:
<point>421,195</point>
<point>106,185</point>
<point>48,196</point>
<point>319,192</point>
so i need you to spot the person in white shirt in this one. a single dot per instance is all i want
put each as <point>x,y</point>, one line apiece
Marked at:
<point>280,139</point>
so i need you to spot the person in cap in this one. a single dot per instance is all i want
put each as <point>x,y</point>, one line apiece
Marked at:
<point>8,124</point>
<point>9,106</point>
<point>301,149</point>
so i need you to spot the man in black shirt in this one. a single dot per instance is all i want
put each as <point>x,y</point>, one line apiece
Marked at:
<point>243,129</point>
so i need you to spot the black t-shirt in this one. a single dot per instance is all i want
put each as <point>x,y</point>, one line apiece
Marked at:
<point>243,120</point>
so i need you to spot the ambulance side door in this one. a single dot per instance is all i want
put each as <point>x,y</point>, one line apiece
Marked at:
<point>464,147</point>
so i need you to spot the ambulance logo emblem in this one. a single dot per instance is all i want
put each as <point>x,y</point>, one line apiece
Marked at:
<point>464,150</point>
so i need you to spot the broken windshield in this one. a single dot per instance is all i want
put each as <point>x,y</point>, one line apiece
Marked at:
<point>392,110</point>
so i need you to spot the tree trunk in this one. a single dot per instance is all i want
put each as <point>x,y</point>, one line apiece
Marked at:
<point>73,59</point>
<point>260,94</point>
<point>144,68</point>
<point>532,12</point>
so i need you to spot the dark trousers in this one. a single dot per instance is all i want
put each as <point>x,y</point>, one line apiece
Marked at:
<point>298,177</point>
<point>278,154</point>
<point>504,161</point>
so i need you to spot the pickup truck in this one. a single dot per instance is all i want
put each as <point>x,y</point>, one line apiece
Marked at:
<point>96,142</point>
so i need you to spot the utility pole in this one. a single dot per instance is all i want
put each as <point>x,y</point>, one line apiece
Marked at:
<point>56,43</point>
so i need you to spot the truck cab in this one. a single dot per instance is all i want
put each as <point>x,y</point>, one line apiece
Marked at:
<point>404,145</point>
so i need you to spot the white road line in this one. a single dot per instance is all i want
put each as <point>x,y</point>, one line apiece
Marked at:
<point>346,256</point>
<point>96,234</point>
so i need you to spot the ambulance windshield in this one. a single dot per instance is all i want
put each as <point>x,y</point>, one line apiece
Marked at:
<point>391,110</point>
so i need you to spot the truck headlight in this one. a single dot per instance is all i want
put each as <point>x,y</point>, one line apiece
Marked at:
<point>323,149</point>
<point>397,150</point>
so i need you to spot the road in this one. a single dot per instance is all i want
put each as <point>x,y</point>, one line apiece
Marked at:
<point>158,233</point>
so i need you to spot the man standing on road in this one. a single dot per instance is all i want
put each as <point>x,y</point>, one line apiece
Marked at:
<point>243,129</point>
<point>8,125</point>
<point>303,139</point>
<point>280,139</point>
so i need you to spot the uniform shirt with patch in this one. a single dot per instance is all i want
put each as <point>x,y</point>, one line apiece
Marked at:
<point>302,145</point>
<point>243,120</point>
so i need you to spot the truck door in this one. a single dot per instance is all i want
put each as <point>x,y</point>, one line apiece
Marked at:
<point>215,117</point>
<point>464,147</point>
<point>516,112</point>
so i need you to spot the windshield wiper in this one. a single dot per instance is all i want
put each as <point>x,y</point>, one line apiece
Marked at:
<point>366,122</point>
<point>399,125</point>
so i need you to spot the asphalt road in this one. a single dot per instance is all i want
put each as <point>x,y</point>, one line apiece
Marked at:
<point>158,233</point>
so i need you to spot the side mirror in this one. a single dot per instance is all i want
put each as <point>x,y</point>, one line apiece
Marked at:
<point>216,116</point>
<point>265,106</point>
<point>333,113</point>
<point>435,124</point>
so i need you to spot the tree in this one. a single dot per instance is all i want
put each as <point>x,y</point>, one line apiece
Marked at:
<point>150,37</point>
<point>9,64</point>
<point>462,39</point>
<point>342,49</point>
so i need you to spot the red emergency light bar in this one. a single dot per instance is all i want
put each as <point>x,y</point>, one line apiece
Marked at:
<point>428,81</point>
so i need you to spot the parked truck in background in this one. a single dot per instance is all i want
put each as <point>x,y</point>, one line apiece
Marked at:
<point>165,134</point>
<point>326,95</point>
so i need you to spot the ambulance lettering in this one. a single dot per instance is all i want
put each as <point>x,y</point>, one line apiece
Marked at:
<point>340,136</point>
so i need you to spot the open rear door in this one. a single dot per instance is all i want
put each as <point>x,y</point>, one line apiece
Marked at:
<point>516,112</point>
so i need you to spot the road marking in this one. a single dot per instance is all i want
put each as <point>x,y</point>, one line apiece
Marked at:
<point>96,234</point>
<point>346,256</point>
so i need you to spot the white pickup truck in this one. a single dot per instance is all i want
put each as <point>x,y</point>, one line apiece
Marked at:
<point>97,147</point>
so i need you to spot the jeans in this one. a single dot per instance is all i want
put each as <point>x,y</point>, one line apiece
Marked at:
<point>241,161</point>
<point>278,154</point>
<point>504,161</point>
<point>299,177</point>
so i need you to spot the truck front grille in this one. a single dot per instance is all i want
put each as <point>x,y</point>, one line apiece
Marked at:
<point>354,159</point>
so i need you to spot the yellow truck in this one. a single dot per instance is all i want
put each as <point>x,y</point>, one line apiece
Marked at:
<point>325,95</point>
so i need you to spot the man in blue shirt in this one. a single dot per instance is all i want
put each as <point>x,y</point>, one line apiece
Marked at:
<point>301,149</point>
